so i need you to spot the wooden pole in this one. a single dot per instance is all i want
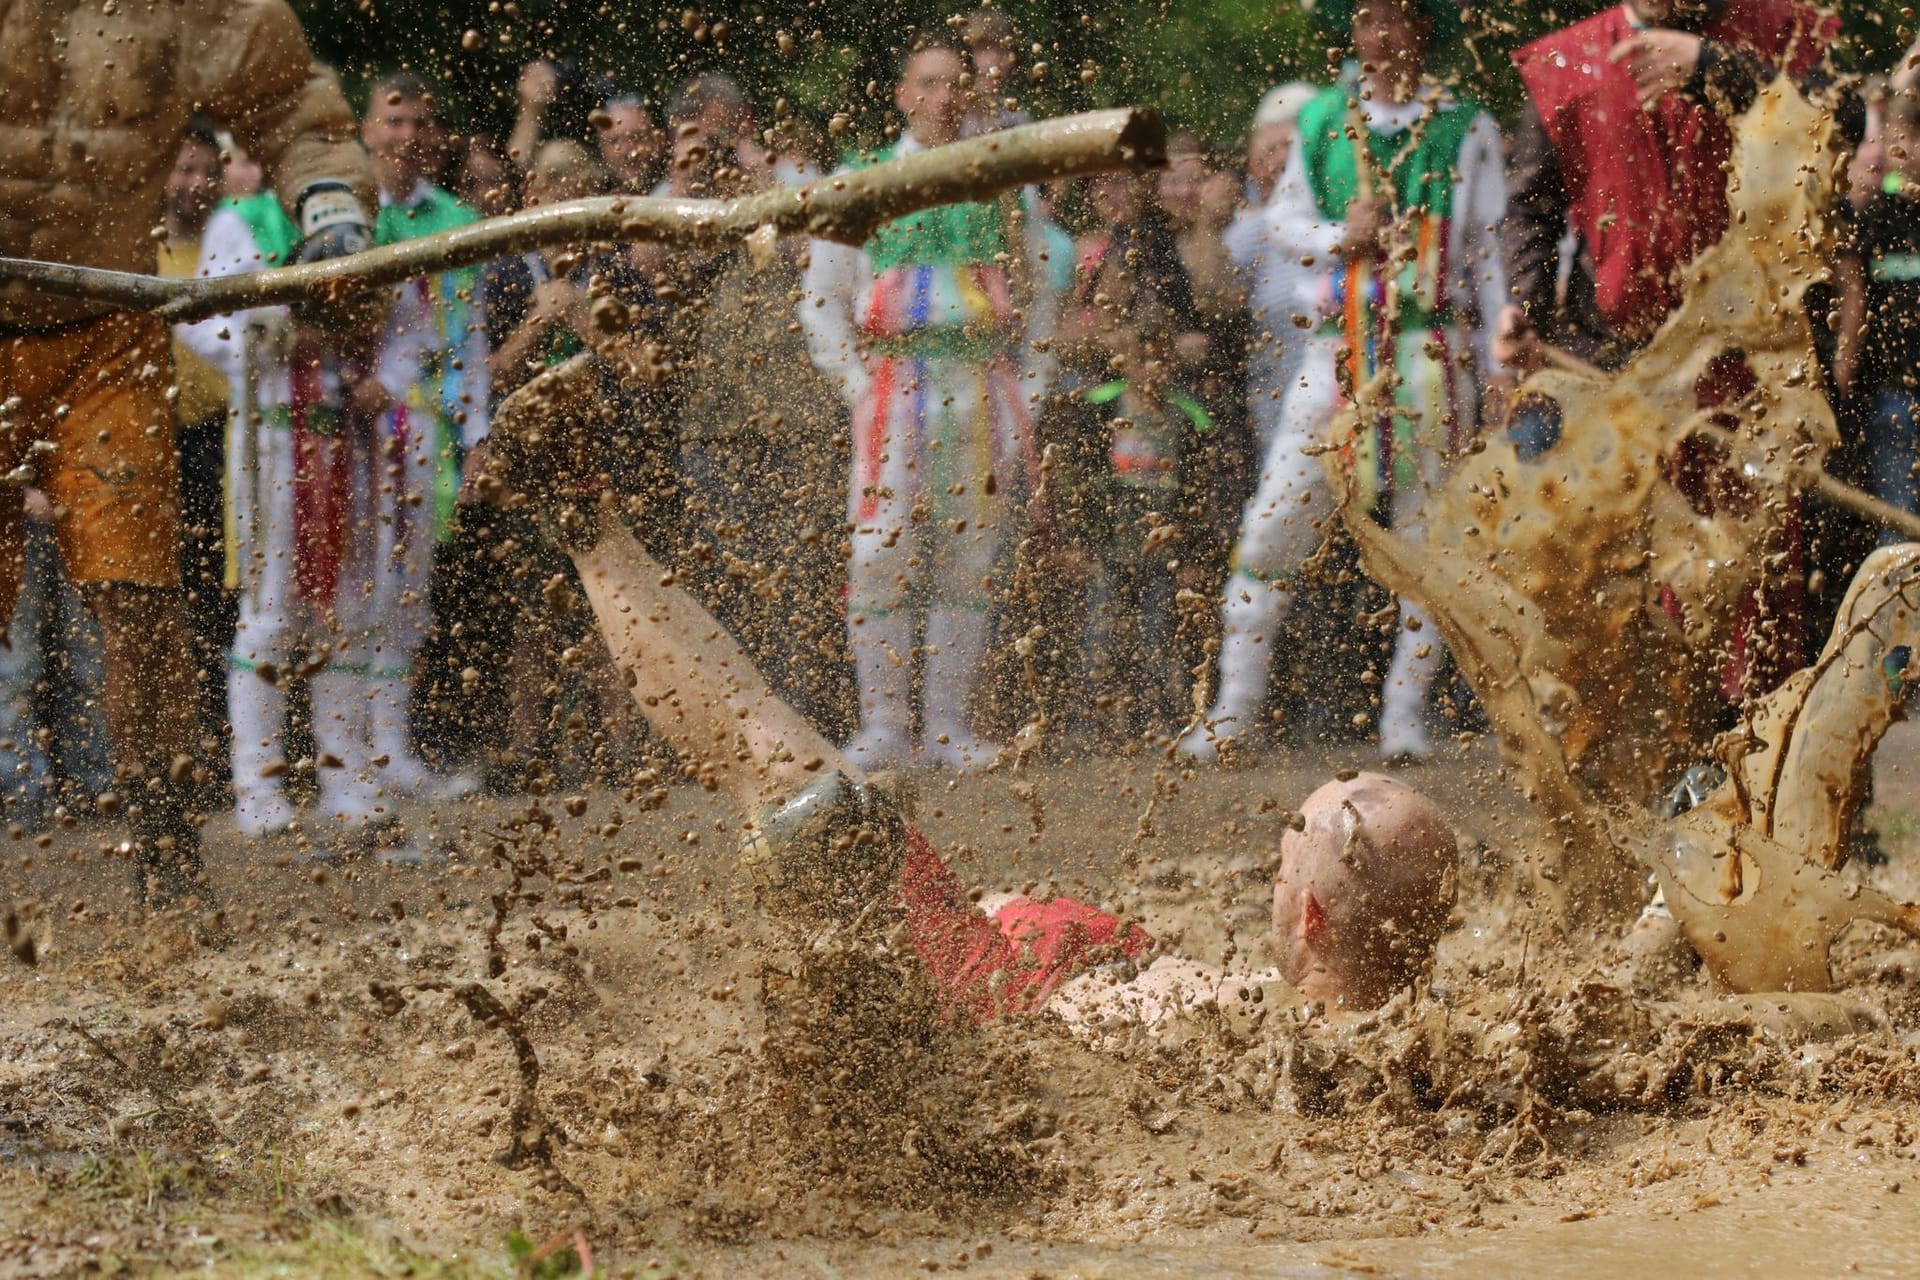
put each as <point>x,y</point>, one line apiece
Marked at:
<point>843,207</point>
<point>1827,488</point>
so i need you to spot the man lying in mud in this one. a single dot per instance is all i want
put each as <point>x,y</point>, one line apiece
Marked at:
<point>1365,885</point>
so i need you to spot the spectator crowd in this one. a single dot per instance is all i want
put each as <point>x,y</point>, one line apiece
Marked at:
<point>1049,460</point>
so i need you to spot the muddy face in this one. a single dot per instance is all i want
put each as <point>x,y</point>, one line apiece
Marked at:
<point>1364,886</point>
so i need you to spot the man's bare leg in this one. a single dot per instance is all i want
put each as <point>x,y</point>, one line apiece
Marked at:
<point>693,682</point>
<point>825,846</point>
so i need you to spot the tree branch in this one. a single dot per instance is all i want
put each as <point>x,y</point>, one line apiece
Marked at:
<point>843,207</point>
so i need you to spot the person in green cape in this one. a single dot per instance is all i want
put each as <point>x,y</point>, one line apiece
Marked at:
<point>1391,200</point>
<point>925,330</point>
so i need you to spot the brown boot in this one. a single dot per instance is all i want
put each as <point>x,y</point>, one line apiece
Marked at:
<point>829,853</point>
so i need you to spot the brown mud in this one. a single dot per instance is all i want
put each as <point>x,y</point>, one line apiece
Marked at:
<point>342,1089</point>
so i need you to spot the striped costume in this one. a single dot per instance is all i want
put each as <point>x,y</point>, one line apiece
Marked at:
<point>923,329</point>
<point>287,461</point>
<point>1441,164</point>
<point>433,363</point>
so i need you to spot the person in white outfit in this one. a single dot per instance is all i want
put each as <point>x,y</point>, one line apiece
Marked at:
<point>1275,280</point>
<point>924,329</point>
<point>337,482</point>
<point>289,467</point>
<point>426,396</point>
<point>1429,197</point>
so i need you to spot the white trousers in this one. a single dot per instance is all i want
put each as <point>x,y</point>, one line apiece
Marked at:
<point>374,624</point>
<point>1282,524</point>
<point>938,445</point>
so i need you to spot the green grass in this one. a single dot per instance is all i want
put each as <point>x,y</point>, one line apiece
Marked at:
<point>342,1247</point>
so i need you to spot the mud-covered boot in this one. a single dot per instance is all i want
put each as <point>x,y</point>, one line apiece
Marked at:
<point>828,854</point>
<point>167,866</point>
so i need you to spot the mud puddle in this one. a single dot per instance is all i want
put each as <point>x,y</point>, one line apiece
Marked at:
<point>321,1098</point>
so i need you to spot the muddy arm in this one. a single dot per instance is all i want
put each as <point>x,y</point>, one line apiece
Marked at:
<point>1822,728</point>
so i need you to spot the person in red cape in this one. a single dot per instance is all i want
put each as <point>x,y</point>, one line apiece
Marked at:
<point>1624,140</point>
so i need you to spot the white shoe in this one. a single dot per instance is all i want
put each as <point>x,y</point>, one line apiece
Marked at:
<point>956,648</point>
<point>1404,739</point>
<point>1201,744</point>
<point>351,803</point>
<point>403,775</point>
<point>263,812</point>
<point>454,786</point>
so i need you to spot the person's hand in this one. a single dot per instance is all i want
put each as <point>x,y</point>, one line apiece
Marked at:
<point>1516,344</point>
<point>539,85</point>
<point>1866,170</point>
<point>1367,222</point>
<point>1660,61</point>
<point>554,301</point>
<point>333,225</point>
<point>477,482</point>
<point>1496,400</point>
<point>1845,364</point>
<point>1191,347</point>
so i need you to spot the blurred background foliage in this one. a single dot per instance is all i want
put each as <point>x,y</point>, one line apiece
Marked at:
<point>1204,63</point>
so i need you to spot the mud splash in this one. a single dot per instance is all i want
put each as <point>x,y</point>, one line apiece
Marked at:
<point>1590,600</point>
<point>710,1094</point>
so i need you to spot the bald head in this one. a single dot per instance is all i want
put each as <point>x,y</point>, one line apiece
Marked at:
<point>1363,891</point>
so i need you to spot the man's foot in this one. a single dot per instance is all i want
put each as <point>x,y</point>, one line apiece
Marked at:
<point>446,787</point>
<point>1208,741</point>
<point>166,844</point>
<point>165,878</point>
<point>1658,955</point>
<point>1404,740</point>
<point>258,814</point>
<point>829,853</point>
<point>349,803</point>
<point>401,774</point>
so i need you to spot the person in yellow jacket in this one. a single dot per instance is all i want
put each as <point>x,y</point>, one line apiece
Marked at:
<point>194,189</point>
<point>95,105</point>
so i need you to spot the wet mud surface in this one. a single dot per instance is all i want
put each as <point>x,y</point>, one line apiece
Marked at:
<point>343,1088</point>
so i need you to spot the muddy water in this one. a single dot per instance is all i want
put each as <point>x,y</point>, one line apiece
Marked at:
<point>249,1086</point>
